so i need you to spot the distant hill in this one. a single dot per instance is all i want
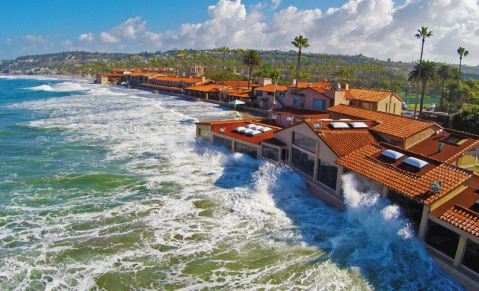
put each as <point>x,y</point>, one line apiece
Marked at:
<point>66,62</point>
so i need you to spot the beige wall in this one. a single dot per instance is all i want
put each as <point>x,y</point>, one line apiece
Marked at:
<point>390,104</point>
<point>417,138</point>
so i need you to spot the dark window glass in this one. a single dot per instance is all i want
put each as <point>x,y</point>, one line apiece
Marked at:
<point>327,174</point>
<point>245,149</point>
<point>270,153</point>
<point>303,162</point>
<point>442,239</point>
<point>222,141</point>
<point>304,142</point>
<point>411,209</point>
<point>471,256</point>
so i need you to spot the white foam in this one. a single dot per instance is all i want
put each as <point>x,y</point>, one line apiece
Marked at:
<point>263,213</point>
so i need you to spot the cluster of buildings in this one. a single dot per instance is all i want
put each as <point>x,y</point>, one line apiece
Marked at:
<point>297,101</point>
<point>323,130</point>
<point>428,170</point>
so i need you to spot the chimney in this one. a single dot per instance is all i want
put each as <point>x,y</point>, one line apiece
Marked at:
<point>346,86</point>
<point>294,82</point>
<point>441,146</point>
<point>338,86</point>
<point>264,81</point>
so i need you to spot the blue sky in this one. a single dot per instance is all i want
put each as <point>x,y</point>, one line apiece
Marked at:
<point>34,26</point>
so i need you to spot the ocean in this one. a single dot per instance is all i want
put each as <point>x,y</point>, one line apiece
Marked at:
<point>107,188</point>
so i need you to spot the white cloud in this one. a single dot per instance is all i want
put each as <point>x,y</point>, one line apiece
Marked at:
<point>86,37</point>
<point>275,3</point>
<point>34,38</point>
<point>67,44</point>
<point>377,28</point>
<point>106,37</point>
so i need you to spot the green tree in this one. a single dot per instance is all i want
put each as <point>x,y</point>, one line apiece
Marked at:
<point>423,72</point>
<point>467,120</point>
<point>445,73</point>
<point>299,42</point>
<point>275,76</point>
<point>421,34</point>
<point>225,50</point>
<point>251,59</point>
<point>462,52</point>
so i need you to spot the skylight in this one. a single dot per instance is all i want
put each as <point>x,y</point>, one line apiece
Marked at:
<point>417,163</point>
<point>339,125</point>
<point>392,154</point>
<point>358,125</point>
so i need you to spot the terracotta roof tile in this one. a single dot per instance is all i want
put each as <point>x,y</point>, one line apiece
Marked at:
<point>207,88</point>
<point>390,124</point>
<point>342,141</point>
<point>416,186</point>
<point>462,218</point>
<point>368,95</point>
<point>271,88</point>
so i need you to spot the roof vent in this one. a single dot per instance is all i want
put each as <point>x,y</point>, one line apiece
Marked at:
<point>358,125</point>
<point>222,129</point>
<point>416,163</point>
<point>318,125</point>
<point>339,125</point>
<point>436,186</point>
<point>392,154</point>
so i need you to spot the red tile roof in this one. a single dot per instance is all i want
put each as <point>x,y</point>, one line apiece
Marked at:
<point>450,152</point>
<point>462,218</point>
<point>342,141</point>
<point>234,83</point>
<point>207,88</point>
<point>416,186</point>
<point>226,128</point>
<point>306,113</point>
<point>178,79</point>
<point>369,95</point>
<point>272,88</point>
<point>390,124</point>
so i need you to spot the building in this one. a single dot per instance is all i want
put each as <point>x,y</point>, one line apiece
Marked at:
<point>268,95</point>
<point>252,137</point>
<point>424,168</point>
<point>322,95</point>
<point>173,84</point>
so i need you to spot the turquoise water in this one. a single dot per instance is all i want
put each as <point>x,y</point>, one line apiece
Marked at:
<point>106,188</point>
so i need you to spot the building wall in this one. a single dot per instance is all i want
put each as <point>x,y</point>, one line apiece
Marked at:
<point>417,138</point>
<point>391,104</point>
<point>308,96</point>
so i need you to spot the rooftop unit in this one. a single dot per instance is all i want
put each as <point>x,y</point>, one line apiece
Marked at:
<point>358,125</point>
<point>339,125</point>
<point>392,154</point>
<point>251,129</point>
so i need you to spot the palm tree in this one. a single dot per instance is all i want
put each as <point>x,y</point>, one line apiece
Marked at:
<point>421,34</point>
<point>299,42</point>
<point>251,59</point>
<point>462,53</point>
<point>424,71</point>
<point>225,50</point>
<point>445,73</point>
<point>275,78</point>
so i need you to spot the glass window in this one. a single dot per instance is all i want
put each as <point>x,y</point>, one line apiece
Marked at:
<point>298,102</point>
<point>305,142</point>
<point>282,94</point>
<point>270,153</point>
<point>246,149</point>
<point>259,93</point>
<point>471,256</point>
<point>222,141</point>
<point>411,209</point>
<point>442,239</point>
<point>303,162</point>
<point>319,104</point>
<point>327,174</point>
